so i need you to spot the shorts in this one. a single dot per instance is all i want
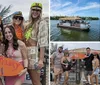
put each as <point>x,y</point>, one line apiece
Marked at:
<point>86,73</point>
<point>57,71</point>
<point>96,72</point>
<point>32,56</point>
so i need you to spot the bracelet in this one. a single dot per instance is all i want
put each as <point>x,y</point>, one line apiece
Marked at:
<point>25,67</point>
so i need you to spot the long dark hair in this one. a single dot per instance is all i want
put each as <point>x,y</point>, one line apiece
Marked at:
<point>97,56</point>
<point>1,25</point>
<point>2,29</point>
<point>15,43</point>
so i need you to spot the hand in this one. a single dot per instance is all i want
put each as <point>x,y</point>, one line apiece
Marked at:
<point>22,72</point>
<point>40,64</point>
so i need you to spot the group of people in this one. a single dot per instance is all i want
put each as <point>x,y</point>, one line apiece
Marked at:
<point>25,43</point>
<point>92,66</point>
<point>62,62</point>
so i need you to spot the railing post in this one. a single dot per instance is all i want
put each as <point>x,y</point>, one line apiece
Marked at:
<point>78,78</point>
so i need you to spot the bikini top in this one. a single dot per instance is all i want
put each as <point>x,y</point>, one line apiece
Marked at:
<point>14,54</point>
<point>40,35</point>
<point>30,33</point>
<point>66,61</point>
<point>94,64</point>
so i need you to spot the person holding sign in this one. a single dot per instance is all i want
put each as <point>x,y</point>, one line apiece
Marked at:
<point>16,50</point>
<point>36,37</point>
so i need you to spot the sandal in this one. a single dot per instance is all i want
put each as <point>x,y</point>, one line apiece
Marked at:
<point>87,83</point>
<point>67,83</point>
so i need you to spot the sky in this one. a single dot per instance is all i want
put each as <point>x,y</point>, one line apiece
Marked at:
<point>75,45</point>
<point>75,8</point>
<point>24,6</point>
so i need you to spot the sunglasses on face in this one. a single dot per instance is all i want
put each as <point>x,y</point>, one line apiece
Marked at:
<point>36,10</point>
<point>18,17</point>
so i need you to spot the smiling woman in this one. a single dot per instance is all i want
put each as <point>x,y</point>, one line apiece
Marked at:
<point>18,24</point>
<point>16,50</point>
<point>36,37</point>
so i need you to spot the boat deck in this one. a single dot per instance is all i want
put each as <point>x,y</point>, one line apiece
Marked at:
<point>74,28</point>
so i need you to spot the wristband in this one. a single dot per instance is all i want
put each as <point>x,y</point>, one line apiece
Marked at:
<point>25,67</point>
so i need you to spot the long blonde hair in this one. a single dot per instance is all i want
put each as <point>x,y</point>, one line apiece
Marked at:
<point>34,24</point>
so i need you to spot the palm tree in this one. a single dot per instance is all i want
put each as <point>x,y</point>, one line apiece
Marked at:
<point>4,11</point>
<point>53,47</point>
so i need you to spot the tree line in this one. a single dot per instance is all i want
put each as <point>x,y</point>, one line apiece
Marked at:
<point>84,18</point>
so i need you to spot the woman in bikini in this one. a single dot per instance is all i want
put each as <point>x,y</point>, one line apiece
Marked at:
<point>36,36</point>
<point>16,50</point>
<point>95,64</point>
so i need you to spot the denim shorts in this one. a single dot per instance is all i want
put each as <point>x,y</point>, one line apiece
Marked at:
<point>96,72</point>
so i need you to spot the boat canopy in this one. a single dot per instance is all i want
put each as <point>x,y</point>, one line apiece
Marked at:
<point>70,18</point>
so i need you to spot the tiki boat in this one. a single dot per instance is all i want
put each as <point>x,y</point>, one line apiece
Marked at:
<point>74,23</point>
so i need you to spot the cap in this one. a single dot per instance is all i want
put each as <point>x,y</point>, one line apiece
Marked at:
<point>60,47</point>
<point>65,48</point>
<point>18,13</point>
<point>36,6</point>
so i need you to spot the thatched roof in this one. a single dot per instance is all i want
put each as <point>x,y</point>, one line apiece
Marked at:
<point>70,18</point>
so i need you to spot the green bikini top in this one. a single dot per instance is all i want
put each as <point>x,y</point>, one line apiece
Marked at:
<point>28,33</point>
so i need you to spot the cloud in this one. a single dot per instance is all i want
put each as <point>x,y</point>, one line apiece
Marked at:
<point>90,6</point>
<point>66,4</point>
<point>80,45</point>
<point>58,5</point>
<point>70,8</point>
<point>24,6</point>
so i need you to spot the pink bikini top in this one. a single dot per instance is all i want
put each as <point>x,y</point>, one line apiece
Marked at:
<point>14,54</point>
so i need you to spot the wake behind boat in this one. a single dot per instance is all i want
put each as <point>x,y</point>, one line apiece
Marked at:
<point>74,23</point>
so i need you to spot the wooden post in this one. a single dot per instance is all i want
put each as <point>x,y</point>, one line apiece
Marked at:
<point>78,78</point>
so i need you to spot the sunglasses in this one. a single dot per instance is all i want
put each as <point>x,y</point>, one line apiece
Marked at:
<point>36,10</point>
<point>18,17</point>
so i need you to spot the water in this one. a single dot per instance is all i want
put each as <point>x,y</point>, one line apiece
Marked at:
<point>57,34</point>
